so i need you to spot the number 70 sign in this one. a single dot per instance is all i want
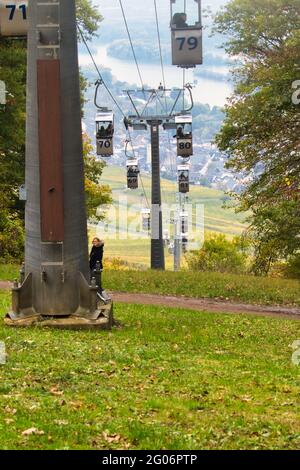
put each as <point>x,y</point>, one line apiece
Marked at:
<point>13,18</point>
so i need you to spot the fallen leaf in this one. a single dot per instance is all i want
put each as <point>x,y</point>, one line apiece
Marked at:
<point>56,392</point>
<point>8,420</point>
<point>61,422</point>
<point>111,438</point>
<point>32,431</point>
<point>9,410</point>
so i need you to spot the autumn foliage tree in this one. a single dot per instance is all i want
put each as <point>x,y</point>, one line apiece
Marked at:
<point>262,125</point>
<point>12,139</point>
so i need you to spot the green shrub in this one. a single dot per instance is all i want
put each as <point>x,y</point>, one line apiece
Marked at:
<point>220,254</point>
<point>11,238</point>
<point>292,267</point>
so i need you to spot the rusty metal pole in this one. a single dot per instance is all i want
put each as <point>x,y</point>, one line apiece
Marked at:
<point>57,289</point>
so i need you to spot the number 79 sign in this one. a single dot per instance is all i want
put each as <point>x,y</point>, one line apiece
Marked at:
<point>13,18</point>
<point>187,47</point>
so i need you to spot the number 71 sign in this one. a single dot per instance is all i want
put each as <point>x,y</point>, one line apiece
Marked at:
<point>13,18</point>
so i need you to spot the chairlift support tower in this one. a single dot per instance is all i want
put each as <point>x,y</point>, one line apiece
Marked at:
<point>55,288</point>
<point>141,121</point>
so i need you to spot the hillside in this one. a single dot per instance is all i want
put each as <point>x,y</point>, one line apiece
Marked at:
<point>217,219</point>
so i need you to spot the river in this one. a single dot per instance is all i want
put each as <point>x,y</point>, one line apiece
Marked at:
<point>212,92</point>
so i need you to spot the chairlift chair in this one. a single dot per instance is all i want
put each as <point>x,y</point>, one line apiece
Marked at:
<point>184,222</point>
<point>133,174</point>
<point>184,178</point>
<point>105,132</point>
<point>184,242</point>
<point>146,220</point>
<point>184,135</point>
<point>166,237</point>
<point>187,49</point>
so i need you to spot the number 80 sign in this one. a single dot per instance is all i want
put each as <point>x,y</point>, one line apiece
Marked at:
<point>187,47</point>
<point>13,18</point>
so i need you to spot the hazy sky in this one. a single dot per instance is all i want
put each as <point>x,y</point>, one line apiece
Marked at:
<point>143,8</point>
<point>141,18</point>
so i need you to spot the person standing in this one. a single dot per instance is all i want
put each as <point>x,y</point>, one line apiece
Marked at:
<point>96,254</point>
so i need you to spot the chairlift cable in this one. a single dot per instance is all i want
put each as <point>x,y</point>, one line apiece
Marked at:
<point>98,71</point>
<point>183,87</point>
<point>111,95</point>
<point>140,176</point>
<point>131,44</point>
<point>160,53</point>
<point>163,76</point>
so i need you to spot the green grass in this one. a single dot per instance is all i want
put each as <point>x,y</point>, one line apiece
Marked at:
<point>242,288</point>
<point>166,380</point>
<point>249,289</point>
<point>9,272</point>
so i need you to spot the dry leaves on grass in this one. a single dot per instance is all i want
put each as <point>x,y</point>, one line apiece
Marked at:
<point>33,431</point>
<point>9,421</point>
<point>11,411</point>
<point>61,422</point>
<point>54,391</point>
<point>115,439</point>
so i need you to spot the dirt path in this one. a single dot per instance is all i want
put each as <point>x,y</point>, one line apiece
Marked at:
<point>5,285</point>
<point>206,305</point>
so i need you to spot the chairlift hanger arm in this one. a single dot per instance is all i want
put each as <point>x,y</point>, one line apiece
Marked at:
<point>132,102</point>
<point>98,84</point>
<point>188,86</point>
<point>126,149</point>
<point>162,105</point>
<point>176,101</point>
<point>148,102</point>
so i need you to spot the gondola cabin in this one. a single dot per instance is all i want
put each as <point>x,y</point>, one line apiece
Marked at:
<point>184,222</point>
<point>184,226</point>
<point>105,133</point>
<point>184,178</point>
<point>166,237</point>
<point>184,135</point>
<point>133,174</point>
<point>146,220</point>
<point>186,28</point>
<point>13,18</point>
<point>171,248</point>
<point>184,242</point>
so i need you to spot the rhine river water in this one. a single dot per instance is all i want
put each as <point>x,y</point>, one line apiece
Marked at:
<point>213,92</point>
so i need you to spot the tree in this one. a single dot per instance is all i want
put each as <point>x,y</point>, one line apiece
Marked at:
<point>220,254</point>
<point>12,123</point>
<point>260,133</point>
<point>96,194</point>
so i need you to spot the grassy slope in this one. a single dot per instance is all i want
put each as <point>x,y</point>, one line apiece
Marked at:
<point>241,288</point>
<point>248,289</point>
<point>167,380</point>
<point>217,219</point>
